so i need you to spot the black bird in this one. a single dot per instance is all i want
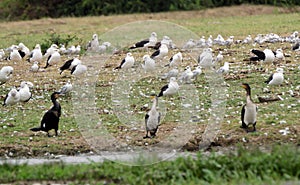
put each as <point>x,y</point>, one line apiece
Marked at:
<point>249,110</point>
<point>50,119</point>
<point>146,42</point>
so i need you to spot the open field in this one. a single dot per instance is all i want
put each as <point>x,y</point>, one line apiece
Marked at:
<point>18,141</point>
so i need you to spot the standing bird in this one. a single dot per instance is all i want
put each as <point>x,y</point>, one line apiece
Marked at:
<point>205,59</point>
<point>2,54</point>
<point>149,63</point>
<point>147,42</point>
<point>24,50</point>
<point>276,78</point>
<point>93,45</point>
<point>187,75</point>
<point>50,119</point>
<point>15,55</point>
<point>12,97</point>
<point>35,67</point>
<point>197,72</point>
<point>152,119</point>
<point>175,59</point>
<point>69,64</point>
<point>279,56</point>
<point>6,74</point>
<point>161,52</point>
<point>219,57</point>
<point>51,50</point>
<point>169,89</point>
<point>24,91</point>
<point>53,59</point>
<point>36,54</point>
<point>127,62</point>
<point>249,110</point>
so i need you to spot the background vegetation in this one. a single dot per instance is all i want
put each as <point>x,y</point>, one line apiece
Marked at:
<point>34,9</point>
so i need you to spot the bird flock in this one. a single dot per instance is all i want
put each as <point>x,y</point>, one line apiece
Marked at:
<point>163,55</point>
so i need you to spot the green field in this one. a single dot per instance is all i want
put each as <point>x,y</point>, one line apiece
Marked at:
<point>15,121</point>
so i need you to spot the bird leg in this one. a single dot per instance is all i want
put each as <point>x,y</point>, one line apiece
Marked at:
<point>146,135</point>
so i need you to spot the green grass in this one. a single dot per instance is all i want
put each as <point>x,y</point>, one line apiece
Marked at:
<point>279,166</point>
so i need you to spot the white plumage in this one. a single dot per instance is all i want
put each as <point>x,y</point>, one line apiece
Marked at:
<point>152,119</point>
<point>187,75</point>
<point>149,63</point>
<point>35,67</point>
<point>24,49</point>
<point>15,55</point>
<point>94,43</point>
<point>197,72</point>
<point>276,78</point>
<point>66,88</point>
<point>169,89</point>
<point>127,62</point>
<point>51,50</point>
<point>36,54</point>
<point>53,59</point>
<point>175,59</point>
<point>2,54</point>
<point>219,57</point>
<point>12,97</point>
<point>24,91</point>
<point>224,69</point>
<point>6,74</point>
<point>161,52</point>
<point>172,73</point>
<point>206,58</point>
<point>78,70</point>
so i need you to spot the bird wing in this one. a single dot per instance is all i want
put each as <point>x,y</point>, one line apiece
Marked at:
<point>260,54</point>
<point>22,54</point>
<point>154,54</point>
<point>146,119</point>
<point>164,88</point>
<point>73,69</point>
<point>243,114</point>
<point>140,44</point>
<point>50,120</point>
<point>269,79</point>
<point>5,99</point>
<point>296,46</point>
<point>66,65</point>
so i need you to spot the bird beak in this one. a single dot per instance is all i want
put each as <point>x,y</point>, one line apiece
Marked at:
<point>243,86</point>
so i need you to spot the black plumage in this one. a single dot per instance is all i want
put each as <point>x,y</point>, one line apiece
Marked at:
<point>163,89</point>
<point>296,46</point>
<point>50,119</point>
<point>66,65</point>
<point>120,66</point>
<point>155,53</point>
<point>140,44</point>
<point>260,55</point>
<point>47,62</point>
<point>269,79</point>
<point>22,53</point>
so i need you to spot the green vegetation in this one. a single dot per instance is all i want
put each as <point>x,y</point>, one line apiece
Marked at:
<point>25,9</point>
<point>279,166</point>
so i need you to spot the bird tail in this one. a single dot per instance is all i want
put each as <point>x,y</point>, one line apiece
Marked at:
<point>36,129</point>
<point>119,67</point>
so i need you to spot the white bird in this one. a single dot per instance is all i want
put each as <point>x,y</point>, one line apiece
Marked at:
<point>172,73</point>
<point>249,111</point>
<point>219,57</point>
<point>51,50</point>
<point>175,59</point>
<point>205,60</point>
<point>77,49</point>
<point>12,97</point>
<point>36,54</point>
<point>224,69</point>
<point>70,64</point>
<point>15,55</point>
<point>279,54</point>
<point>66,88</point>
<point>161,52</point>
<point>267,56</point>
<point>6,74</point>
<point>190,44</point>
<point>62,49</point>
<point>35,67</point>
<point>149,63</point>
<point>152,119</point>
<point>229,41</point>
<point>24,49</point>
<point>127,62</point>
<point>79,70</point>
<point>53,59</point>
<point>187,75</point>
<point>276,78</point>
<point>24,91</point>
<point>94,43</point>
<point>247,40</point>
<point>169,89</point>
<point>2,54</point>
<point>197,72</point>
<point>147,42</point>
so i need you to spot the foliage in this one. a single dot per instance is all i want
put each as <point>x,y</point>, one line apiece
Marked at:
<point>57,39</point>
<point>34,9</point>
<point>254,166</point>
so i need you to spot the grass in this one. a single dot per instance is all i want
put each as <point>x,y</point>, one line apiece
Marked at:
<point>15,121</point>
<point>246,166</point>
